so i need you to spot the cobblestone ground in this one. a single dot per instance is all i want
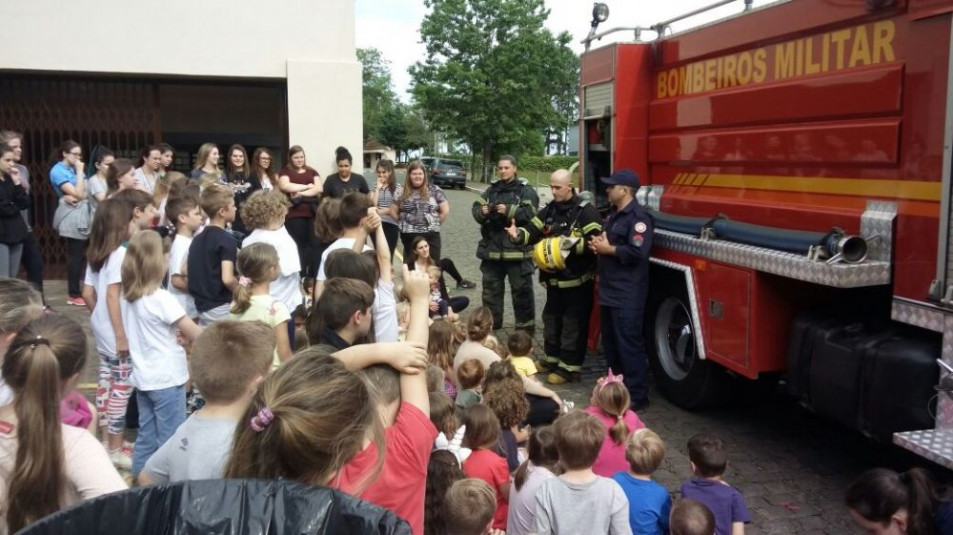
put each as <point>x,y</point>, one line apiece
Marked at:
<point>791,466</point>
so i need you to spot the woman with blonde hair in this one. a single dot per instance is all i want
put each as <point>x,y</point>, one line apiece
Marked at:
<point>206,162</point>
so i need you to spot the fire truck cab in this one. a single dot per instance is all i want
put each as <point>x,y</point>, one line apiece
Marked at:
<point>797,161</point>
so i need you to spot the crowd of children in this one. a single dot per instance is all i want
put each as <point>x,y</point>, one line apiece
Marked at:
<point>353,382</point>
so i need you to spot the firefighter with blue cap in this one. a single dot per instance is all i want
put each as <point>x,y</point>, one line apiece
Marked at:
<point>623,250</point>
<point>567,270</point>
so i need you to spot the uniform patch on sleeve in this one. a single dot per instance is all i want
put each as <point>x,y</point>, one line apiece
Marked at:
<point>637,240</point>
<point>641,227</point>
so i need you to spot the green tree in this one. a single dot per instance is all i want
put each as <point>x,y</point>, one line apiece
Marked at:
<point>379,97</point>
<point>488,77</point>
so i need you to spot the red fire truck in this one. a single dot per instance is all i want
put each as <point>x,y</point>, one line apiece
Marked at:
<point>797,160</point>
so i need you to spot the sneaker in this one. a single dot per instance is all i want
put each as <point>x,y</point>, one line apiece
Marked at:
<point>121,460</point>
<point>466,285</point>
<point>76,301</point>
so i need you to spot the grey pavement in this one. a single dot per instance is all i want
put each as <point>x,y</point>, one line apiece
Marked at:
<point>791,466</point>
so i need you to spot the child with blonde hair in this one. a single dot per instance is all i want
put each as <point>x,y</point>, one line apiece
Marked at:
<point>151,316</point>
<point>258,266</point>
<point>439,307</point>
<point>212,256</point>
<point>649,502</point>
<point>469,508</point>
<point>610,404</point>
<point>264,214</point>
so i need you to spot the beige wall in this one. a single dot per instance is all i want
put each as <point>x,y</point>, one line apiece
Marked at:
<point>308,43</point>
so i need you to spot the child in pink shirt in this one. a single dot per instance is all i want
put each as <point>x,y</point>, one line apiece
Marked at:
<point>610,404</point>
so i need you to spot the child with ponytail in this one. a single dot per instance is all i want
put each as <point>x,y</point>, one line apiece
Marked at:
<point>46,465</point>
<point>151,316</point>
<point>116,220</point>
<point>258,267</point>
<point>883,501</point>
<point>610,403</point>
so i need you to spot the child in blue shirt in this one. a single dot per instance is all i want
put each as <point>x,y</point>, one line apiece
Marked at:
<point>709,457</point>
<point>649,502</point>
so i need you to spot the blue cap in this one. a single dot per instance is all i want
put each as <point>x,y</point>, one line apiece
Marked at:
<point>623,177</point>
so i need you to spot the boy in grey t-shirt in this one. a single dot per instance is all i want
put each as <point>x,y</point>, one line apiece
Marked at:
<point>579,501</point>
<point>228,361</point>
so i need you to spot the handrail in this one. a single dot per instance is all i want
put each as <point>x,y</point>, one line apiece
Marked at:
<point>660,27</point>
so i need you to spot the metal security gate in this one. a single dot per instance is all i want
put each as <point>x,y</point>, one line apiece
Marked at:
<point>46,110</point>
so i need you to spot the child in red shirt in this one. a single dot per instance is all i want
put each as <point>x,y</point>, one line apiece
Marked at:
<point>482,435</point>
<point>404,406</point>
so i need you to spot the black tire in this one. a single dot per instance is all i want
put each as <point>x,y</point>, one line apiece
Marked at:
<point>680,374</point>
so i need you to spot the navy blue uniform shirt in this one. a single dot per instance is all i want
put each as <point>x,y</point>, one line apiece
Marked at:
<point>623,278</point>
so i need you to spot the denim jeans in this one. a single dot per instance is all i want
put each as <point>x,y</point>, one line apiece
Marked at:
<point>211,316</point>
<point>161,412</point>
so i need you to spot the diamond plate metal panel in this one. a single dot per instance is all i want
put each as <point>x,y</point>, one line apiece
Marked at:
<point>692,298</point>
<point>936,445</point>
<point>655,197</point>
<point>799,267</point>
<point>923,315</point>
<point>642,195</point>
<point>876,226</point>
<point>944,410</point>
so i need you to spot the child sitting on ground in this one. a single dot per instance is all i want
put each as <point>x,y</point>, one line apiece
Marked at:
<point>451,432</point>
<point>691,518</point>
<point>483,436</point>
<point>228,361</point>
<point>579,501</point>
<point>649,502</point>
<point>469,508</point>
<point>520,345</point>
<point>440,348</point>
<point>439,307</point>
<point>443,471</point>
<point>610,404</point>
<point>709,458</point>
<point>541,465</point>
<point>505,396</point>
<point>470,380</point>
<point>259,266</point>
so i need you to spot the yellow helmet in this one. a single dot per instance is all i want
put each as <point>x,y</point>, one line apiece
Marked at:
<point>550,253</point>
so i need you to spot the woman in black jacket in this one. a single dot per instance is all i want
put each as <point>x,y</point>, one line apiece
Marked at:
<point>13,198</point>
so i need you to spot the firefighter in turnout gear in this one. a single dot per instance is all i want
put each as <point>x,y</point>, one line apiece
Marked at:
<point>506,199</point>
<point>567,268</point>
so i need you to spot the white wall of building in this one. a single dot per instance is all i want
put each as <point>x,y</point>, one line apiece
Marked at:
<point>309,43</point>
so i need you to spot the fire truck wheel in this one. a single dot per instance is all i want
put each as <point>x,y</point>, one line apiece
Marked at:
<point>682,377</point>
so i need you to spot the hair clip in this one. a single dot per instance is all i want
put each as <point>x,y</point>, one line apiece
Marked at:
<point>39,340</point>
<point>244,281</point>
<point>610,378</point>
<point>261,420</point>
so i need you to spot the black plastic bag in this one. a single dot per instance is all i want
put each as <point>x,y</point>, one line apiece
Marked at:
<point>224,506</point>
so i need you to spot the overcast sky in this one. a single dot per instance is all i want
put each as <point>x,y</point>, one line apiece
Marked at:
<point>393,25</point>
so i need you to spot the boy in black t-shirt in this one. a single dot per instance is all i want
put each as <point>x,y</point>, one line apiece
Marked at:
<point>211,262</point>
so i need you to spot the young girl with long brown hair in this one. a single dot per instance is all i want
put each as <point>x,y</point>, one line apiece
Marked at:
<point>116,220</point>
<point>482,436</point>
<point>46,465</point>
<point>151,316</point>
<point>258,267</point>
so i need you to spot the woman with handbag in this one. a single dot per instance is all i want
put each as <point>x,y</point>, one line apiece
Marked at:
<point>13,231</point>
<point>304,186</point>
<point>69,183</point>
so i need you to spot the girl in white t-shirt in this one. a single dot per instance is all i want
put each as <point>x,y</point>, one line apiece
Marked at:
<point>116,220</point>
<point>258,266</point>
<point>151,316</point>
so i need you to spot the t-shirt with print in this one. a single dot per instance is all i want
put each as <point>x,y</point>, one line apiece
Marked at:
<point>723,500</point>
<point>178,258</point>
<point>209,249</point>
<point>99,322</point>
<point>268,310</point>
<point>340,243</point>
<point>336,188</point>
<point>199,449</point>
<point>419,215</point>
<point>158,361</point>
<point>490,467</point>
<point>401,484</point>
<point>287,286</point>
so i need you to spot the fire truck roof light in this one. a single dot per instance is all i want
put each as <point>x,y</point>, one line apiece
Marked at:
<point>600,13</point>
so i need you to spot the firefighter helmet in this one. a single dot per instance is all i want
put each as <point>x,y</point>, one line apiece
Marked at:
<point>550,253</point>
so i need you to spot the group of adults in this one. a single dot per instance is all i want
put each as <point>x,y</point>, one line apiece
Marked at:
<point>570,242</point>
